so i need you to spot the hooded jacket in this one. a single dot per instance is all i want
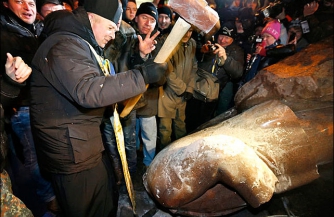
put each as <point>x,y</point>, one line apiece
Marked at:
<point>70,93</point>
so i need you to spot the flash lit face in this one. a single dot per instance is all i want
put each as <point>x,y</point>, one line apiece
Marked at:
<point>224,40</point>
<point>164,21</point>
<point>104,30</point>
<point>131,10</point>
<point>268,39</point>
<point>24,9</point>
<point>145,23</point>
<point>49,7</point>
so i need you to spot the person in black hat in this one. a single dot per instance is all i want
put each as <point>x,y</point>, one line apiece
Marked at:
<point>225,62</point>
<point>44,7</point>
<point>146,18</point>
<point>229,67</point>
<point>165,18</point>
<point>71,86</point>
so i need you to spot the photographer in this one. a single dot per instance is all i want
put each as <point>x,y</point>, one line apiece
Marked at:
<point>317,24</point>
<point>277,11</point>
<point>269,52</point>
<point>225,60</point>
<point>295,34</point>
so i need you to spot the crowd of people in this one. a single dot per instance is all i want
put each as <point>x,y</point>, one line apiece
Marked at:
<point>70,65</point>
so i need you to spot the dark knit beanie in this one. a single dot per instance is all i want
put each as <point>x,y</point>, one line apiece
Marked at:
<point>109,9</point>
<point>148,8</point>
<point>165,10</point>
<point>228,29</point>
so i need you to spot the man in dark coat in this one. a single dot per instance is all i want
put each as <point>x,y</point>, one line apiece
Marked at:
<point>12,81</point>
<point>225,62</point>
<point>71,85</point>
<point>19,37</point>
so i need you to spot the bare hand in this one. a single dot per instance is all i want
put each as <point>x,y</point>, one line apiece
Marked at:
<point>17,69</point>
<point>147,45</point>
<point>220,52</point>
<point>310,8</point>
<point>281,16</point>
<point>249,56</point>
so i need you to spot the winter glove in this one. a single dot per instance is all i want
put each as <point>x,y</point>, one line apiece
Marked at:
<point>187,96</point>
<point>152,72</point>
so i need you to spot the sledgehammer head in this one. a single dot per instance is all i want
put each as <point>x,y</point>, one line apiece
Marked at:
<point>197,13</point>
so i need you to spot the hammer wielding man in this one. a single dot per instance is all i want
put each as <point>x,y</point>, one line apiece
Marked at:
<point>71,85</point>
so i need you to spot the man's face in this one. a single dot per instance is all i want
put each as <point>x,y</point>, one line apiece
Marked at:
<point>296,30</point>
<point>24,9</point>
<point>145,23</point>
<point>224,40</point>
<point>131,10</point>
<point>104,30</point>
<point>163,21</point>
<point>49,7</point>
<point>187,36</point>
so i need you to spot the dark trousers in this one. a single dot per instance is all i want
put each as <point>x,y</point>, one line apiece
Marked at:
<point>89,193</point>
<point>198,112</point>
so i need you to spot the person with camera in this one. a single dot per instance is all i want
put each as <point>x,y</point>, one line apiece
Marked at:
<point>316,21</point>
<point>269,51</point>
<point>295,34</point>
<point>224,60</point>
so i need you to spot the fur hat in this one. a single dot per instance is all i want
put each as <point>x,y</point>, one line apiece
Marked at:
<point>273,28</point>
<point>165,10</point>
<point>148,8</point>
<point>109,9</point>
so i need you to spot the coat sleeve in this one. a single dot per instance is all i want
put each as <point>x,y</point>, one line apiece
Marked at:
<point>73,70</point>
<point>9,90</point>
<point>234,64</point>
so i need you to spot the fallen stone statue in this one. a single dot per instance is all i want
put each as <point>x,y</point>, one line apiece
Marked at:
<point>283,131</point>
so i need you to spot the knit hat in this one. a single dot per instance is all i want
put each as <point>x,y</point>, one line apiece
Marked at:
<point>40,3</point>
<point>109,9</point>
<point>273,28</point>
<point>228,29</point>
<point>294,23</point>
<point>165,10</point>
<point>148,8</point>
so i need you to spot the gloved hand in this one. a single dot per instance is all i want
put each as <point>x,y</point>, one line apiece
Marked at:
<point>187,96</point>
<point>152,72</point>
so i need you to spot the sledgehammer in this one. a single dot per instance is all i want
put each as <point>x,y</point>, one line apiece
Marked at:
<point>195,12</point>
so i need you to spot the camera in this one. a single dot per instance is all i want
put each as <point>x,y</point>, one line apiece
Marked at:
<point>272,11</point>
<point>212,47</point>
<point>254,39</point>
<point>292,36</point>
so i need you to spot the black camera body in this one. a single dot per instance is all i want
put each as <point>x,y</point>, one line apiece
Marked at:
<point>292,36</point>
<point>254,39</point>
<point>272,10</point>
<point>212,47</point>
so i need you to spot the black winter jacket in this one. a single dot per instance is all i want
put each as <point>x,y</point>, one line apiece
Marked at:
<point>69,94</point>
<point>232,69</point>
<point>18,39</point>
